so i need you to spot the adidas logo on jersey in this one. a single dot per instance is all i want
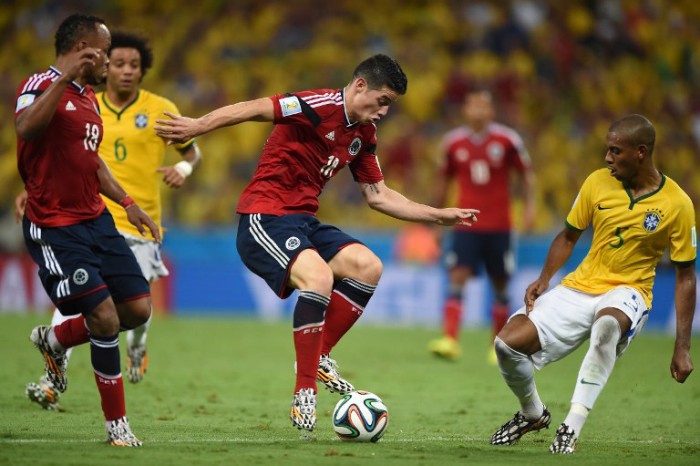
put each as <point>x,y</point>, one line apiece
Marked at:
<point>331,136</point>
<point>70,107</point>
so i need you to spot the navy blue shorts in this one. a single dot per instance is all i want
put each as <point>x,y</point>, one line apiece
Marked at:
<point>269,244</point>
<point>476,249</point>
<point>82,265</point>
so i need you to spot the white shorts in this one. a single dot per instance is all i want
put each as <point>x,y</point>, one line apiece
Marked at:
<point>148,256</point>
<point>564,317</point>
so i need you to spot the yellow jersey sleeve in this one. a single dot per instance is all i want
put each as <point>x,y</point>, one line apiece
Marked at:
<point>683,242</point>
<point>581,212</point>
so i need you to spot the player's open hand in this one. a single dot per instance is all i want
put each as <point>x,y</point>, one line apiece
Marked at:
<point>533,292</point>
<point>681,365</point>
<point>139,218</point>
<point>454,216</point>
<point>177,129</point>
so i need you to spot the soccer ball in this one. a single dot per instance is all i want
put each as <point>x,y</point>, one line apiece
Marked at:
<point>360,416</point>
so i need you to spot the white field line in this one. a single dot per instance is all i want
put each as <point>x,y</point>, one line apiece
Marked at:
<point>273,440</point>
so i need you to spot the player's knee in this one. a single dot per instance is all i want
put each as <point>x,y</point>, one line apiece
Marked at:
<point>369,267</point>
<point>605,331</point>
<point>505,352</point>
<point>134,313</point>
<point>320,281</point>
<point>103,320</point>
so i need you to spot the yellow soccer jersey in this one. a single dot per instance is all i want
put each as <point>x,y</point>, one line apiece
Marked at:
<point>630,235</point>
<point>132,151</point>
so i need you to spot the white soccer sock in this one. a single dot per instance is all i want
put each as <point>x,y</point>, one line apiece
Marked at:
<point>519,373</point>
<point>598,362</point>
<point>58,319</point>
<point>576,417</point>
<point>137,336</point>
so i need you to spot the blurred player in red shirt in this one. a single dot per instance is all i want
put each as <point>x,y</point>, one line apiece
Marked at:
<point>480,158</point>
<point>316,134</point>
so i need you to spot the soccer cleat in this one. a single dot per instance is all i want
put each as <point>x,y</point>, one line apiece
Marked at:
<point>119,434</point>
<point>136,363</point>
<point>43,394</point>
<point>446,348</point>
<point>565,440</point>
<point>510,432</point>
<point>55,362</point>
<point>328,375</point>
<point>303,411</point>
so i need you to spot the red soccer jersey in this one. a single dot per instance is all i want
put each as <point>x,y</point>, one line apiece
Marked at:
<point>481,164</point>
<point>310,142</point>
<point>59,165</point>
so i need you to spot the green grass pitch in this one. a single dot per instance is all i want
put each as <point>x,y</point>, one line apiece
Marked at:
<point>218,392</point>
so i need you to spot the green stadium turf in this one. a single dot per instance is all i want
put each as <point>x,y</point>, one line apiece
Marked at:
<point>218,392</point>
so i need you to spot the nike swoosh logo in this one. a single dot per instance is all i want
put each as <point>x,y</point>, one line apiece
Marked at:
<point>600,207</point>
<point>586,382</point>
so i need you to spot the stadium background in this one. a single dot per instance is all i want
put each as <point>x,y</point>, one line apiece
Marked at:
<point>560,70</point>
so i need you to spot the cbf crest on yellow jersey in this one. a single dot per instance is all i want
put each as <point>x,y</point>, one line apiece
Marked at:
<point>132,151</point>
<point>630,235</point>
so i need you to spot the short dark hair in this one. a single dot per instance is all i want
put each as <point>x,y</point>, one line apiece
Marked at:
<point>636,130</point>
<point>381,70</point>
<point>131,40</point>
<point>74,28</point>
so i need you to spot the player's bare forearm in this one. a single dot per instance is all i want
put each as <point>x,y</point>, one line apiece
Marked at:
<point>685,296</point>
<point>394,204</point>
<point>35,118</point>
<point>559,252</point>
<point>108,184</point>
<point>181,129</point>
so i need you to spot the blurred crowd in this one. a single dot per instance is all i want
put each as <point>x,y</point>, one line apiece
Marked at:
<point>560,72</point>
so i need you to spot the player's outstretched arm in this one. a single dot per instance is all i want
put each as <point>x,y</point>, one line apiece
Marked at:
<point>179,129</point>
<point>559,252</point>
<point>394,204</point>
<point>685,295</point>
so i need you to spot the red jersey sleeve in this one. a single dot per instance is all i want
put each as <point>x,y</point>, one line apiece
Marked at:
<point>365,166</point>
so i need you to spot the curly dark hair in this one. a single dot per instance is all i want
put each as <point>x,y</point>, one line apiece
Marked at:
<point>124,39</point>
<point>381,70</point>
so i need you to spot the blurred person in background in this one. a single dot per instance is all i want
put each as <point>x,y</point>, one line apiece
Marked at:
<point>85,266</point>
<point>134,154</point>
<point>316,133</point>
<point>480,158</point>
<point>637,213</point>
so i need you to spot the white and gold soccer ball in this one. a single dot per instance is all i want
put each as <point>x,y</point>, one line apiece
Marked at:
<point>360,416</point>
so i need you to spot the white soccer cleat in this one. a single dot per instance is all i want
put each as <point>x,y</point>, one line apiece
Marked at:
<point>119,434</point>
<point>55,362</point>
<point>328,375</point>
<point>136,363</point>
<point>303,411</point>
<point>43,394</point>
